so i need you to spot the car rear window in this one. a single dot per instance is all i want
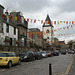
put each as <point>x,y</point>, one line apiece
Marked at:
<point>7,55</point>
<point>3,54</point>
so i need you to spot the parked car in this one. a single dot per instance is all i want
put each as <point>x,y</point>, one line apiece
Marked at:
<point>8,59</point>
<point>69,52</point>
<point>44,54</point>
<point>73,51</point>
<point>27,56</point>
<point>38,55</point>
<point>49,53</point>
<point>56,53</point>
<point>63,51</point>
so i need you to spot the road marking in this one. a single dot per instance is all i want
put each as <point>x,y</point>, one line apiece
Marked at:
<point>69,67</point>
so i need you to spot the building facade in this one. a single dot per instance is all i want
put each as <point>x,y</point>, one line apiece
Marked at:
<point>36,35</point>
<point>22,24</point>
<point>8,32</point>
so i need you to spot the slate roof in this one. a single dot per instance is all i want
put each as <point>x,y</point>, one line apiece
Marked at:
<point>47,19</point>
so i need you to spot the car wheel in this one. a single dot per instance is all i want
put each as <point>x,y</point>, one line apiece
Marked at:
<point>19,62</point>
<point>9,64</point>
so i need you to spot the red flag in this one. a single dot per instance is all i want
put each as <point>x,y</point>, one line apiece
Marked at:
<point>35,21</point>
<point>41,21</point>
<point>54,22</point>
<point>27,19</point>
<point>48,22</point>
<point>72,22</point>
<point>58,28</point>
<point>54,34</point>
<point>19,18</point>
<point>2,15</point>
<point>71,26</point>
<point>61,34</point>
<point>64,28</point>
<point>30,35</point>
<point>67,27</point>
<point>60,21</point>
<point>54,30</point>
<point>66,22</point>
<point>10,17</point>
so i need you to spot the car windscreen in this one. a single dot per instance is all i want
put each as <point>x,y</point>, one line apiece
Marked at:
<point>56,51</point>
<point>35,52</point>
<point>3,54</point>
<point>48,52</point>
<point>43,52</point>
<point>24,53</point>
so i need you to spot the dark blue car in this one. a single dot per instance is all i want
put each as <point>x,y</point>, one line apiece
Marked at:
<point>56,53</point>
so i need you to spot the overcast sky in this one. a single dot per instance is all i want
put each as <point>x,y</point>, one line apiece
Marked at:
<point>58,10</point>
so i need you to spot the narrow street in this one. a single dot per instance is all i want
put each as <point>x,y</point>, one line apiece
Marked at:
<point>40,67</point>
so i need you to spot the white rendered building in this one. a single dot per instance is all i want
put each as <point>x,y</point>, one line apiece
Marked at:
<point>8,32</point>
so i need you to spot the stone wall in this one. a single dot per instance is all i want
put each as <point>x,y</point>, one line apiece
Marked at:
<point>16,49</point>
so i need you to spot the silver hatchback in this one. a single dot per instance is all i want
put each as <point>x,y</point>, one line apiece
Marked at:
<point>44,54</point>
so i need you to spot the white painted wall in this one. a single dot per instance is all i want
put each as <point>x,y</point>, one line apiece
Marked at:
<point>11,31</point>
<point>10,34</point>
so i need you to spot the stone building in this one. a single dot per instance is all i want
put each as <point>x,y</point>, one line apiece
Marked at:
<point>36,35</point>
<point>48,38</point>
<point>73,45</point>
<point>22,24</point>
<point>62,45</point>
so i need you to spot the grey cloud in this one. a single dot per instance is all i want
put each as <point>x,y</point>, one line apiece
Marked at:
<point>26,5</point>
<point>67,6</point>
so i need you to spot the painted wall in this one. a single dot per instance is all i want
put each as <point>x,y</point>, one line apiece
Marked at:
<point>10,34</point>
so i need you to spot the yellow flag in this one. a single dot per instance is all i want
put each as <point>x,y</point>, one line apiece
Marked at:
<point>45,22</point>
<point>64,21</point>
<point>69,22</point>
<point>24,18</point>
<point>31,20</point>
<point>52,22</point>
<point>38,20</point>
<point>15,18</point>
<point>58,22</point>
<point>7,16</point>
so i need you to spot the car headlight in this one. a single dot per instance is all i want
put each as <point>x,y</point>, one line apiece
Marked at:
<point>25,57</point>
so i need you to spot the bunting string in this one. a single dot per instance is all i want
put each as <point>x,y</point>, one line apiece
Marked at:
<point>41,21</point>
